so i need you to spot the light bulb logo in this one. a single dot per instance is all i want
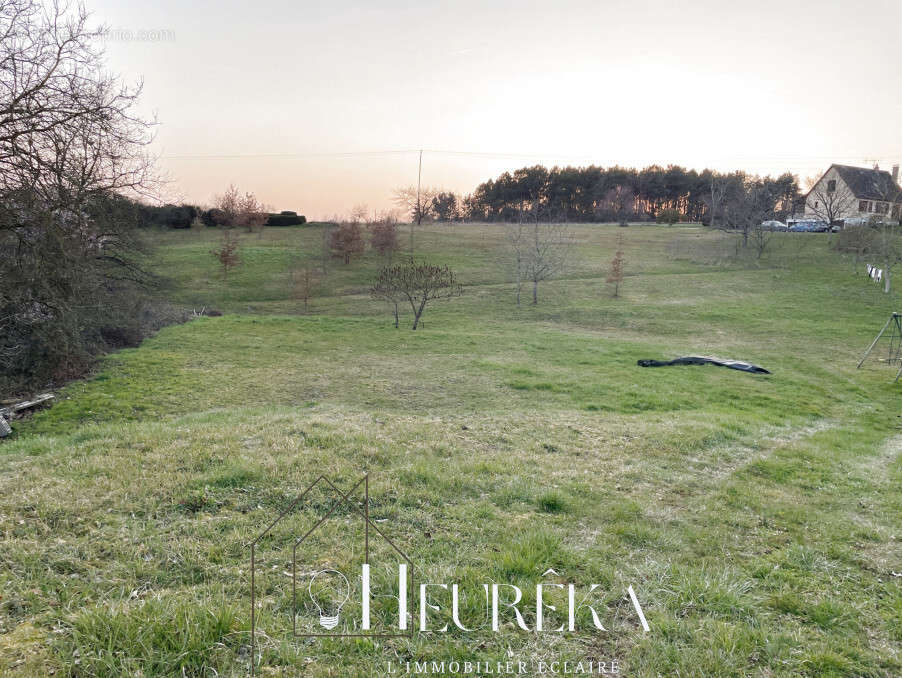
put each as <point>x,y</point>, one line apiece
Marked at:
<point>329,590</point>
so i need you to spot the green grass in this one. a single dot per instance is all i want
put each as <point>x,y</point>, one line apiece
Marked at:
<point>756,516</point>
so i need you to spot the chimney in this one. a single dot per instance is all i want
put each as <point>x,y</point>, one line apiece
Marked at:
<point>896,174</point>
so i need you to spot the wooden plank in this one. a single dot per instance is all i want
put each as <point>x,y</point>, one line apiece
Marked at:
<point>26,404</point>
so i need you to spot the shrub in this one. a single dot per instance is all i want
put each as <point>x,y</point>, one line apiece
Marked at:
<point>286,219</point>
<point>384,237</point>
<point>668,216</point>
<point>346,241</point>
<point>213,217</point>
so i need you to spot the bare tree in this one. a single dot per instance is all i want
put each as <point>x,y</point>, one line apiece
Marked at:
<point>304,283</point>
<point>227,253</point>
<point>515,233</point>
<point>760,238</point>
<point>417,283</point>
<point>235,210</point>
<point>346,241</point>
<point>384,237</point>
<point>359,213</point>
<point>621,200</point>
<point>545,246</point>
<point>746,208</point>
<point>324,252</point>
<point>416,203</point>
<point>71,147</point>
<point>858,241</point>
<point>718,193</point>
<point>886,247</point>
<point>615,275</point>
<point>831,201</point>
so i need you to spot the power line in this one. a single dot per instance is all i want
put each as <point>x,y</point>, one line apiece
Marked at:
<point>744,159</point>
<point>335,154</point>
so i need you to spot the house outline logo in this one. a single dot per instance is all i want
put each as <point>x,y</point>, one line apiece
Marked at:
<point>344,499</point>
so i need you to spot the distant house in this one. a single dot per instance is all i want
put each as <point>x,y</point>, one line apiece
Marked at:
<point>853,193</point>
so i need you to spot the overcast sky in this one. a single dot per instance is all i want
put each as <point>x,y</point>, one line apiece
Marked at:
<point>266,95</point>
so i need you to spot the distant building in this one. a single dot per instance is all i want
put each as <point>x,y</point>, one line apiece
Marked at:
<point>857,193</point>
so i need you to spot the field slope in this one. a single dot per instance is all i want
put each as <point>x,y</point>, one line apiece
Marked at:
<point>757,517</point>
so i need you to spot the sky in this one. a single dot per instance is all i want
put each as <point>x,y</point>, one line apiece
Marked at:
<point>320,106</point>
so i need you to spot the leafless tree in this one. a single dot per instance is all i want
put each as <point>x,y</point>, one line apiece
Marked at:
<point>235,210</point>
<point>325,253</point>
<point>543,246</point>
<point>227,254</point>
<point>359,213</point>
<point>760,237</point>
<point>615,275</point>
<point>515,233</point>
<point>416,203</point>
<point>620,202</point>
<point>417,283</point>
<point>71,146</point>
<point>746,208</point>
<point>346,241</point>
<point>718,192</point>
<point>304,283</point>
<point>858,241</point>
<point>886,247</point>
<point>384,237</point>
<point>831,205</point>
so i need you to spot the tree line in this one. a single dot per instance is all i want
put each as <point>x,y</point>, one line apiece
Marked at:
<point>604,194</point>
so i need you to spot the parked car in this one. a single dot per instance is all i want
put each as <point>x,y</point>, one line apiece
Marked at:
<point>810,226</point>
<point>773,225</point>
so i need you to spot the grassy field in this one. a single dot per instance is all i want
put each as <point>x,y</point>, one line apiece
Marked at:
<point>757,517</point>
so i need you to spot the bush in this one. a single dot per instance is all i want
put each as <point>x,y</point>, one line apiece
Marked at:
<point>72,290</point>
<point>213,217</point>
<point>668,216</point>
<point>286,219</point>
<point>168,216</point>
<point>346,241</point>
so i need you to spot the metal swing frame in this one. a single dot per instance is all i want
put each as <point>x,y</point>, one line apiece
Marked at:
<point>895,343</point>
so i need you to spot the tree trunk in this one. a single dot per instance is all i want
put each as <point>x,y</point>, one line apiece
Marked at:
<point>417,313</point>
<point>396,315</point>
<point>535,292</point>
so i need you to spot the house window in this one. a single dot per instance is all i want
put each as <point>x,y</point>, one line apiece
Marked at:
<point>816,204</point>
<point>881,207</point>
<point>831,186</point>
<point>862,205</point>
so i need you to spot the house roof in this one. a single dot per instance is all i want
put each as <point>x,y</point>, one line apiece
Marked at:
<point>869,184</point>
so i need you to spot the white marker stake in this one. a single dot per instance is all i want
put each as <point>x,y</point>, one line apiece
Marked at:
<point>365,603</point>
<point>402,596</point>
<point>638,608</point>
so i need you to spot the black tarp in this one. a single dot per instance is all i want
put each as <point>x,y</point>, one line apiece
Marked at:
<point>702,360</point>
